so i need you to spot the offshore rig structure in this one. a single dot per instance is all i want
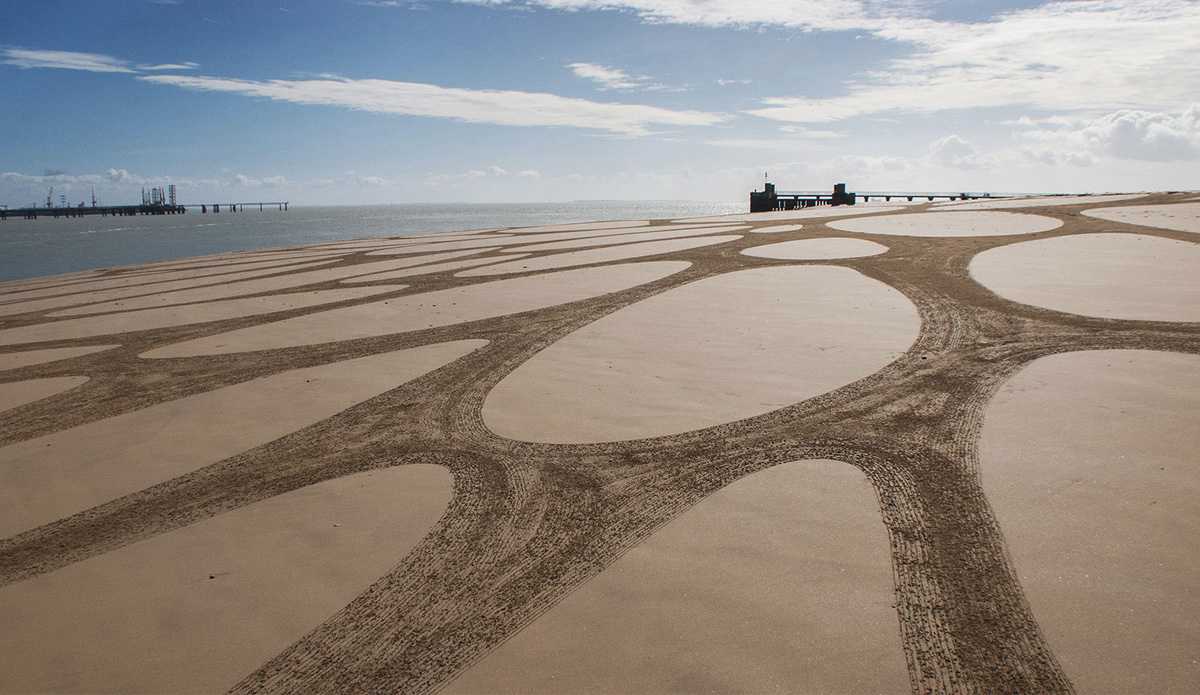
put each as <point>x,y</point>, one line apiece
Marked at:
<point>155,201</point>
<point>770,200</point>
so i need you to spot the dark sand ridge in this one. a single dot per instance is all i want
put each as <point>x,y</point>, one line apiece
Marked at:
<point>530,522</point>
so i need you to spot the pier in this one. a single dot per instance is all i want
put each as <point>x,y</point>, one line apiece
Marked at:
<point>769,199</point>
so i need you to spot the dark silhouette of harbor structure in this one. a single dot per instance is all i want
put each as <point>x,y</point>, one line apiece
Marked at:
<point>155,201</point>
<point>769,199</point>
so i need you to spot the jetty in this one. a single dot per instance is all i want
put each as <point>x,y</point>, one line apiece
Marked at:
<point>769,199</point>
<point>155,201</point>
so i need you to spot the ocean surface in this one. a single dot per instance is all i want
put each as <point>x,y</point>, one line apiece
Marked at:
<point>47,246</point>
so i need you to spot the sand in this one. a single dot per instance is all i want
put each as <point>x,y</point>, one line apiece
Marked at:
<point>780,582</point>
<point>818,212</point>
<point>433,268</point>
<point>47,478</point>
<point>1089,461</point>
<point>147,319</point>
<point>944,224</point>
<point>415,312</point>
<point>777,228</point>
<point>16,360</point>
<point>673,233</point>
<point>1036,201</point>
<point>594,256</point>
<point>136,295</point>
<point>1123,276</point>
<point>193,610</point>
<point>594,564</point>
<point>1184,217</point>
<point>716,350</point>
<point>820,249</point>
<point>17,393</point>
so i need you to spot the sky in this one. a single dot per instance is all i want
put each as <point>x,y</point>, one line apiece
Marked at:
<point>332,102</point>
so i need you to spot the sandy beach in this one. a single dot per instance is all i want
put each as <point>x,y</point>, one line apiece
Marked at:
<point>920,448</point>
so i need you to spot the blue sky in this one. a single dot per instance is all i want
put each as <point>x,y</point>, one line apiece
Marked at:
<point>356,101</point>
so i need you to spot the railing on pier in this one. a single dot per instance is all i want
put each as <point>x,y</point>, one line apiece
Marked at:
<point>33,213</point>
<point>769,199</point>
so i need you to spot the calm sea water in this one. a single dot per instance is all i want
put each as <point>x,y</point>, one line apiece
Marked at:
<point>32,248</point>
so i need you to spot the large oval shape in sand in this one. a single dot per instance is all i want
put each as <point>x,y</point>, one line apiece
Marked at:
<point>201,607</point>
<point>17,393</point>
<point>51,477</point>
<point>16,360</point>
<point>1037,201</point>
<point>781,582</point>
<point>438,308</point>
<point>817,249</point>
<point>596,256</point>
<point>1184,217</point>
<point>1116,276</point>
<point>717,350</point>
<point>947,224</point>
<point>1089,462</point>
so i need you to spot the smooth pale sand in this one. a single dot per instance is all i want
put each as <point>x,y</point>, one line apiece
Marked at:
<point>775,229</point>
<point>802,214</point>
<point>781,582</point>
<point>526,239</point>
<point>1118,276</point>
<point>183,315</point>
<point>716,350</point>
<point>28,358</point>
<point>1037,201</point>
<point>1089,462</point>
<point>246,287</point>
<point>594,256</point>
<point>817,249</point>
<point>578,226</point>
<point>1184,217</point>
<point>16,393</point>
<point>670,233</point>
<point>54,476</point>
<point>147,618</point>
<point>135,295</point>
<point>948,224</point>
<point>427,310</point>
<point>434,268</point>
<point>148,283</point>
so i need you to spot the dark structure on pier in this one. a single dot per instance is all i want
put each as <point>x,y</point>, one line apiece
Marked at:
<point>156,201</point>
<point>769,199</point>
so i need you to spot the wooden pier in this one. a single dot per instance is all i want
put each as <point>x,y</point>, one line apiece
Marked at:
<point>33,213</point>
<point>769,199</point>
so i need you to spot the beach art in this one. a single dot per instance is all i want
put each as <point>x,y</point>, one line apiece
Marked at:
<point>856,450</point>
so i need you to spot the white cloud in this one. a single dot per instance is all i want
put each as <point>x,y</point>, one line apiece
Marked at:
<point>954,152</point>
<point>531,173</point>
<point>606,77</point>
<point>470,105</point>
<point>1127,134</point>
<point>91,62</point>
<point>170,66</point>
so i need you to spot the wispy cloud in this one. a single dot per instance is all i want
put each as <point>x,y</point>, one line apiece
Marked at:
<point>469,105</point>
<point>606,77</point>
<point>91,62</point>
<point>1058,57</point>
<point>169,66</point>
<point>1128,134</point>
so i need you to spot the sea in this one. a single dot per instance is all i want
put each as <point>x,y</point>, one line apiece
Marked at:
<point>48,246</point>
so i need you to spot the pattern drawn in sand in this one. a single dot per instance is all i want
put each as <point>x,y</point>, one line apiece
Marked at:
<point>17,393</point>
<point>1089,460</point>
<point>593,256</point>
<point>1036,201</point>
<point>68,472</point>
<point>717,350</point>
<point>677,233</point>
<point>1122,276</point>
<point>165,317</point>
<point>819,249</point>
<point>818,212</point>
<point>16,360</point>
<point>433,268</point>
<point>195,609</point>
<point>944,224</point>
<point>415,312</point>
<point>530,524</point>
<point>780,582</point>
<point>1184,217</point>
<point>777,228</point>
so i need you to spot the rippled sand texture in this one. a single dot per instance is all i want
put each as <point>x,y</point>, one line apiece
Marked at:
<point>738,454</point>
